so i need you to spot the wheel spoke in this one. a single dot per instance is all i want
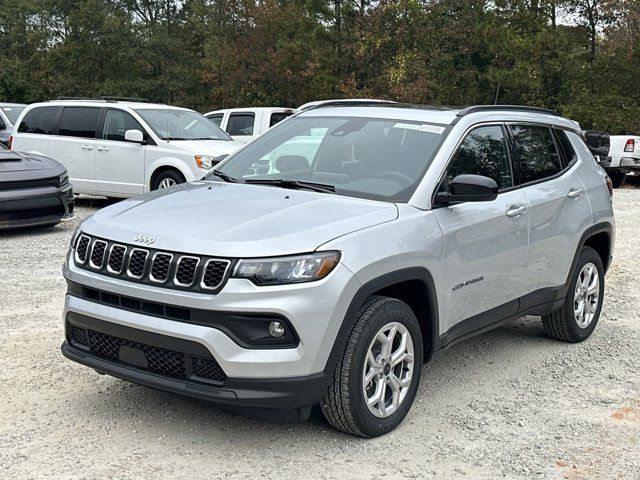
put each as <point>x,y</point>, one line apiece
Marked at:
<point>380,390</point>
<point>401,357</point>
<point>386,348</point>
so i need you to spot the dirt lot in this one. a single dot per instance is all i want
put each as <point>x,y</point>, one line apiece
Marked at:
<point>508,404</point>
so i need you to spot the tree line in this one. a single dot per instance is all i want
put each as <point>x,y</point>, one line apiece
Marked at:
<point>580,57</point>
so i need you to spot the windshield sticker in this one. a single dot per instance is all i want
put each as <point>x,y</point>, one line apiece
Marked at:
<point>420,128</point>
<point>431,129</point>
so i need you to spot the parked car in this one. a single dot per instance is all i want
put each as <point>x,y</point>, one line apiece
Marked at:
<point>624,158</point>
<point>332,282</point>
<point>9,113</point>
<point>122,148</point>
<point>34,190</point>
<point>245,124</point>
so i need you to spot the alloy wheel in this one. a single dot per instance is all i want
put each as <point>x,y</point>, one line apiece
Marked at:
<point>586,295</point>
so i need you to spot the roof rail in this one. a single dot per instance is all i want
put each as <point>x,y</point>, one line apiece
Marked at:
<point>347,103</point>
<point>516,108</point>
<point>106,99</point>
<point>124,99</point>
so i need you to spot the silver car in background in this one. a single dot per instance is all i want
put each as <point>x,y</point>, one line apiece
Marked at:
<point>9,113</point>
<point>380,236</point>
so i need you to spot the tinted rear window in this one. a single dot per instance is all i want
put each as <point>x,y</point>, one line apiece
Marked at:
<point>79,122</point>
<point>278,117</point>
<point>566,149</point>
<point>38,120</point>
<point>240,124</point>
<point>537,157</point>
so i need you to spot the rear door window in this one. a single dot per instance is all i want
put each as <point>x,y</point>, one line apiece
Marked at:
<point>39,120</point>
<point>79,122</point>
<point>240,124</point>
<point>116,123</point>
<point>536,154</point>
<point>483,152</point>
<point>277,117</point>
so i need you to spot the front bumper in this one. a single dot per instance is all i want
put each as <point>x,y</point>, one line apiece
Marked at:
<point>291,396</point>
<point>36,206</point>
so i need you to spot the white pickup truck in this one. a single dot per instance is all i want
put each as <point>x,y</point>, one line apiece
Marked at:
<point>245,124</point>
<point>625,158</point>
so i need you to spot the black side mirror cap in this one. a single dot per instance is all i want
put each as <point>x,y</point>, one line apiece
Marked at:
<point>469,188</point>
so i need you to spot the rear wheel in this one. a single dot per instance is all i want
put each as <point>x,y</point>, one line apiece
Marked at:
<point>577,318</point>
<point>617,178</point>
<point>377,377</point>
<point>167,178</point>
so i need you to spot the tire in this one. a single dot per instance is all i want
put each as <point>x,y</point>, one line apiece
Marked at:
<point>167,178</point>
<point>617,178</point>
<point>344,405</point>
<point>565,324</point>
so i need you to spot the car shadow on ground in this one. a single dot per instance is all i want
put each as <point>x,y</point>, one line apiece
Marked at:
<point>170,413</point>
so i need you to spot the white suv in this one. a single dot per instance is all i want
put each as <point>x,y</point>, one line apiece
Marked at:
<point>122,148</point>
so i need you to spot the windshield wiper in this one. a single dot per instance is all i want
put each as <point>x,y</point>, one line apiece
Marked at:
<point>175,138</point>
<point>224,176</point>
<point>294,184</point>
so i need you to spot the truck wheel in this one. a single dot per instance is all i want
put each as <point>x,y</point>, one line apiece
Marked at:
<point>377,377</point>
<point>167,178</point>
<point>577,318</point>
<point>617,178</point>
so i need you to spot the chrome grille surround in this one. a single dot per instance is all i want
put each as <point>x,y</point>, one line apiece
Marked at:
<point>174,270</point>
<point>100,245</point>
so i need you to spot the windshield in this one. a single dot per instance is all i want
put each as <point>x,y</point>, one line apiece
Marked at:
<point>171,124</point>
<point>372,158</point>
<point>12,113</point>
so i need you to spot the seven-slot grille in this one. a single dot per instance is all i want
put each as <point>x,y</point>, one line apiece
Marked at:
<point>146,265</point>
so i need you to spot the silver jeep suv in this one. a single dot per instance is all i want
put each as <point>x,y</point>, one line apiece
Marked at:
<point>328,260</point>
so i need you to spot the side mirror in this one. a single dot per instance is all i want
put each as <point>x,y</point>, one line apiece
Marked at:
<point>469,188</point>
<point>134,136</point>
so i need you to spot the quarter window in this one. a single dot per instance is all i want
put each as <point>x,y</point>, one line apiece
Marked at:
<point>39,120</point>
<point>79,122</point>
<point>116,123</point>
<point>240,124</point>
<point>537,157</point>
<point>483,152</point>
<point>564,144</point>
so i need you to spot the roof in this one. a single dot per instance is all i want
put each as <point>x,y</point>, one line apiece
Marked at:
<point>438,114</point>
<point>77,102</point>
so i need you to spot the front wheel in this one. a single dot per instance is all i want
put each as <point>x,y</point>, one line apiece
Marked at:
<point>577,318</point>
<point>167,178</point>
<point>377,377</point>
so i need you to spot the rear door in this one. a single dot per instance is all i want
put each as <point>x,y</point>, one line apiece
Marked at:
<point>120,165</point>
<point>485,242</point>
<point>560,212</point>
<point>74,144</point>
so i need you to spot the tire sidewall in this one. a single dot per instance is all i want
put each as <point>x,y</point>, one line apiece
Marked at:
<point>175,176</point>
<point>391,311</point>
<point>587,255</point>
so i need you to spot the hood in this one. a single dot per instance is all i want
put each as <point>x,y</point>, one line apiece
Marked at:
<point>208,147</point>
<point>237,220</point>
<point>11,161</point>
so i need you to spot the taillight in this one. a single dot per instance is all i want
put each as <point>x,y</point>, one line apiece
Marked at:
<point>630,145</point>
<point>610,186</point>
<point>10,142</point>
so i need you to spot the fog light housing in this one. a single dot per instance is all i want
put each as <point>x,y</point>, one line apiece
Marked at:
<point>276,329</point>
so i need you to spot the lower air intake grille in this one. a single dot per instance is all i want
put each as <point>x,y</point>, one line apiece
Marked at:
<point>169,363</point>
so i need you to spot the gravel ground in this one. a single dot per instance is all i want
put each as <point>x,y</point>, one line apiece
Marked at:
<point>508,404</point>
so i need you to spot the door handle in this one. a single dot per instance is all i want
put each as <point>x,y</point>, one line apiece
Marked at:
<point>516,210</point>
<point>575,192</point>
<point>103,149</point>
<point>87,147</point>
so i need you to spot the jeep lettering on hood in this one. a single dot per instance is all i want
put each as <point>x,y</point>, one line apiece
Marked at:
<point>237,220</point>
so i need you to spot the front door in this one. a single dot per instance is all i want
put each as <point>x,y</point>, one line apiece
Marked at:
<point>119,164</point>
<point>486,243</point>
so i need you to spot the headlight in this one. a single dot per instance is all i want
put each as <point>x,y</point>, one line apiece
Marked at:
<point>283,270</point>
<point>64,178</point>
<point>205,162</point>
